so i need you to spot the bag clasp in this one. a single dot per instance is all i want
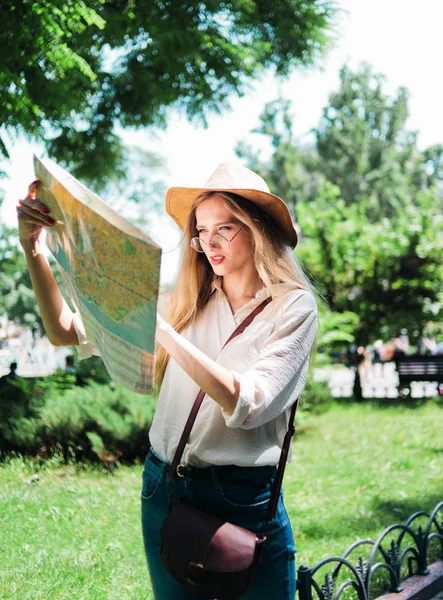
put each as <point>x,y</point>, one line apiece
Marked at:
<point>196,573</point>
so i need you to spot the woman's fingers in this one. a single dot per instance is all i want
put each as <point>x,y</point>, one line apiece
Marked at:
<point>35,204</point>
<point>33,215</point>
<point>30,214</point>
<point>29,220</point>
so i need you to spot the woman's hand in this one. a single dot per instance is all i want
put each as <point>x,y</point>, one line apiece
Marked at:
<point>32,216</point>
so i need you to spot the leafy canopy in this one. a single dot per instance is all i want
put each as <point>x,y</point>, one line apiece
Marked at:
<point>369,204</point>
<point>17,299</point>
<point>73,69</point>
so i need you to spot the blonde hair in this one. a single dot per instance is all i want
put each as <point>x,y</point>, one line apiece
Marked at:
<point>272,255</point>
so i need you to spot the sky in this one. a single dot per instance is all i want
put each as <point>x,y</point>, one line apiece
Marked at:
<point>400,38</point>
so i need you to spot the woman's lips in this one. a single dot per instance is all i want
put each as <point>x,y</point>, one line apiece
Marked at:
<point>216,260</point>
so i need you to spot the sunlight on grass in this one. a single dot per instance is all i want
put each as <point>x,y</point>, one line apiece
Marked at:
<point>73,532</point>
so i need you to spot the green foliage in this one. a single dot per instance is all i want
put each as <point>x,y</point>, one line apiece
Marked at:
<point>73,531</point>
<point>98,421</point>
<point>337,330</point>
<point>17,299</point>
<point>48,67</point>
<point>94,422</point>
<point>388,272</point>
<point>369,205</point>
<point>92,368</point>
<point>138,194</point>
<point>316,397</point>
<point>364,148</point>
<point>75,69</point>
<point>289,173</point>
<point>20,401</point>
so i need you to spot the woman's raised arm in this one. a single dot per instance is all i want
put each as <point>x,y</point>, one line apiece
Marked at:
<point>33,216</point>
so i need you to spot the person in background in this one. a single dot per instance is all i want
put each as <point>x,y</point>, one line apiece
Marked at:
<point>11,375</point>
<point>358,360</point>
<point>401,344</point>
<point>70,365</point>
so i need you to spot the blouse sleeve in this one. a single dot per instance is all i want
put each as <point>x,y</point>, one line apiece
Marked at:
<point>277,378</point>
<point>84,349</point>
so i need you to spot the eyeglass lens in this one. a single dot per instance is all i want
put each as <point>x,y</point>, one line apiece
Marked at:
<point>216,242</point>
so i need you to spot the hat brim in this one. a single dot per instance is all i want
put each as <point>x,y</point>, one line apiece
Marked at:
<point>179,202</point>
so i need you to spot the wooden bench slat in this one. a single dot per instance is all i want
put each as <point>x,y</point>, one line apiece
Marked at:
<point>419,368</point>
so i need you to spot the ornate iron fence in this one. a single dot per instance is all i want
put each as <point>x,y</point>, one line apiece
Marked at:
<point>400,551</point>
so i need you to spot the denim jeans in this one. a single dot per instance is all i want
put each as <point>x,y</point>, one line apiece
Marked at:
<point>236,494</point>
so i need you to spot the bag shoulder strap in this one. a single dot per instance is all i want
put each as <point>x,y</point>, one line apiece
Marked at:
<point>273,501</point>
<point>278,481</point>
<point>201,394</point>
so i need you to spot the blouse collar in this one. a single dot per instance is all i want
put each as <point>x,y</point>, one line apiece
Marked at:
<point>261,294</point>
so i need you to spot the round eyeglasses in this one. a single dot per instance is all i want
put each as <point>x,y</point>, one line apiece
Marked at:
<point>217,241</point>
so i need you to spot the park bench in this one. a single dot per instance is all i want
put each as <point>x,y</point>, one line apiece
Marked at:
<point>419,368</point>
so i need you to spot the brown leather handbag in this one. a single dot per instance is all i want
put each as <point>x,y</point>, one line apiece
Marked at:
<point>215,558</point>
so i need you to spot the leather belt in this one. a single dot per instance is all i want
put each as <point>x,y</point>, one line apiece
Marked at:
<point>191,472</point>
<point>182,470</point>
<point>158,462</point>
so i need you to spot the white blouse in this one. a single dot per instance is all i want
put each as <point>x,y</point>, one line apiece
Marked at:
<point>270,361</point>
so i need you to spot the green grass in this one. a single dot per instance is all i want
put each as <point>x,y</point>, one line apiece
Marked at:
<point>74,533</point>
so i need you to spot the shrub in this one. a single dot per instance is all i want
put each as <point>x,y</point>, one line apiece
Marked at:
<point>316,397</point>
<point>91,368</point>
<point>20,400</point>
<point>97,422</point>
<point>51,415</point>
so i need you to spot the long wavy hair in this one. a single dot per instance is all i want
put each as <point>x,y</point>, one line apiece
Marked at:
<point>272,255</point>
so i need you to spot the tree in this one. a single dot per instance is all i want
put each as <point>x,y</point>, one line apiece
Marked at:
<point>389,273</point>
<point>369,204</point>
<point>289,171</point>
<point>76,69</point>
<point>364,147</point>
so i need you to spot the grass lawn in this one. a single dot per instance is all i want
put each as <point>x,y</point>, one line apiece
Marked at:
<point>68,532</point>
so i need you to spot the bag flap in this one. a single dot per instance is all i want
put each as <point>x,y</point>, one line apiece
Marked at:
<point>232,549</point>
<point>201,538</point>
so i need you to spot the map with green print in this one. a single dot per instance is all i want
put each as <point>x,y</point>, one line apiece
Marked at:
<point>112,272</point>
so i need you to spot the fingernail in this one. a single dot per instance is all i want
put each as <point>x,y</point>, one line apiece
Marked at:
<point>46,211</point>
<point>51,222</point>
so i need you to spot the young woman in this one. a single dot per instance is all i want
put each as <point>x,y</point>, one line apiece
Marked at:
<point>238,240</point>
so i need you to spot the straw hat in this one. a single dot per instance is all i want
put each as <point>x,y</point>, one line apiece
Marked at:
<point>238,180</point>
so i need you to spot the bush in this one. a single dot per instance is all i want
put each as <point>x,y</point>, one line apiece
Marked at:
<point>98,422</point>
<point>20,400</point>
<point>91,368</point>
<point>50,416</point>
<point>316,397</point>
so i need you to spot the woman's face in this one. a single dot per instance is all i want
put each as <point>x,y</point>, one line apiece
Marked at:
<point>214,218</point>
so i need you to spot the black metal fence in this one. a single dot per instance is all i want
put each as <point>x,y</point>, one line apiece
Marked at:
<point>368,569</point>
